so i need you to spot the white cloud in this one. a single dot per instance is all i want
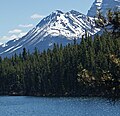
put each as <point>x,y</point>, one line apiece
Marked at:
<point>26,25</point>
<point>22,34</point>
<point>15,31</point>
<point>1,43</point>
<point>5,39</point>
<point>37,16</point>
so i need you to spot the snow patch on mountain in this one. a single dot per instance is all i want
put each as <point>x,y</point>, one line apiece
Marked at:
<point>1,43</point>
<point>58,27</point>
<point>71,24</point>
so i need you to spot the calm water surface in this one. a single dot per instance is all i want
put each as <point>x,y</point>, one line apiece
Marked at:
<point>37,106</point>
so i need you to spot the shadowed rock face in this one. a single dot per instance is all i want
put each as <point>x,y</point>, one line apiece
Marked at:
<point>104,5</point>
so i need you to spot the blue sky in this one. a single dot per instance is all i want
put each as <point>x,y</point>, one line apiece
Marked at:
<point>17,17</point>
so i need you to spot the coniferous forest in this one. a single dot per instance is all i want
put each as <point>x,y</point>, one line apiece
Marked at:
<point>88,68</point>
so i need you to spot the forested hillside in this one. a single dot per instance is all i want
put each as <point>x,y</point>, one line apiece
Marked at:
<point>88,68</point>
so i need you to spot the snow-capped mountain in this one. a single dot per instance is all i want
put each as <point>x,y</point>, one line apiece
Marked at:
<point>58,27</point>
<point>104,5</point>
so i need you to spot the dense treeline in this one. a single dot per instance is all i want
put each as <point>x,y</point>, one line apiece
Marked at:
<point>88,68</point>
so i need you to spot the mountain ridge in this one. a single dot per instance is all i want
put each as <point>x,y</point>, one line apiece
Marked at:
<point>58,27</point>
<point>103,5</point>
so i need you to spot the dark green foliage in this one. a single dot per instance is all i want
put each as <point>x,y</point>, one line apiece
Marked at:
<point>91,68</point>
<point>73,70</point>
<point>112,20</point>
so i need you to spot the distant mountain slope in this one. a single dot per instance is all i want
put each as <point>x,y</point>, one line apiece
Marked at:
<point>104,5</point>
<point>58,27</point>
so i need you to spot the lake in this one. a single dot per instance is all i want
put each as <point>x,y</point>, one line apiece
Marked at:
<point>42,106</point>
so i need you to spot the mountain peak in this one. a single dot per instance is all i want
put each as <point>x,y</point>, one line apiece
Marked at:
<point>75,13</point>
<point>104,5</point>
<point>60,28</point>
<point>52,17</point>
<point>58,12</point>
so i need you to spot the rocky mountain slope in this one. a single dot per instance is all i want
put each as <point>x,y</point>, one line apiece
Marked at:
<point>104,5</point>
<point>58,27</point>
